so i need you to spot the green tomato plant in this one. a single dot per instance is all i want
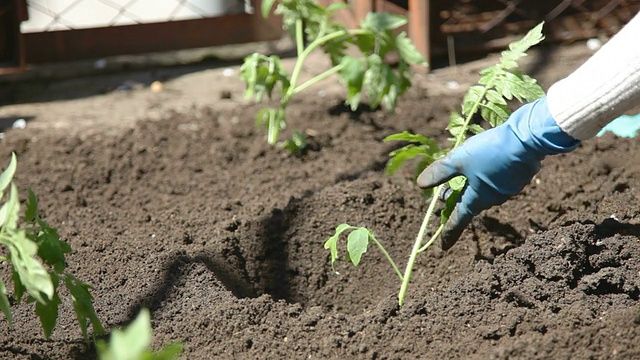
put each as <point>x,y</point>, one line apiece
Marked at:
<point>134,343</point>
<point>498,84</point>
<point>36,255</point>
<point>312,28</point>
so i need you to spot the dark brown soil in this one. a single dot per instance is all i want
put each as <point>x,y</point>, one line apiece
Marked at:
<point>196,218</point>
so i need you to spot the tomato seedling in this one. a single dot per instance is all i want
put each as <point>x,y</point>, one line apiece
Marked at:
<point>134,343</point>
<point>37,257</point>
<point>498,84</point>
<point>312,28</point>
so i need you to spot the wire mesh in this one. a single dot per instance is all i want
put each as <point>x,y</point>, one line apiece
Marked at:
<point>51,15</point>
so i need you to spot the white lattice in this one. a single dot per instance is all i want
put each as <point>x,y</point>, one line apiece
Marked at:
<point>49,15</point>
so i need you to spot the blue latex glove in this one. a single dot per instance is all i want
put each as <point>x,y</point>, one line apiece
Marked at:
<point>498,163</point>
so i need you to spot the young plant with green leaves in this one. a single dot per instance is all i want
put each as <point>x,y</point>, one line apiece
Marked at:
<point>498,84</point>
<point>365,75</point>
<point>36,255</point>
<point>134,343</point>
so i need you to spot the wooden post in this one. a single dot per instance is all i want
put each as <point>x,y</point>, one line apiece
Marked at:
<point>361,8</point>
<point>419,26</point>
<point>12,58</point>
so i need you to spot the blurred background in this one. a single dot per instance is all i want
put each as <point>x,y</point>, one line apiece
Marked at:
<point>446,32</point>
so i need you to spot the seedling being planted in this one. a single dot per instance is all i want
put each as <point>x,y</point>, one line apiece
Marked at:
<point>498,84</point>
<point>365,75</point>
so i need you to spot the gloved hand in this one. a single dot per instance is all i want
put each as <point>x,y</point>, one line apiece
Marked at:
<point>498,163</point>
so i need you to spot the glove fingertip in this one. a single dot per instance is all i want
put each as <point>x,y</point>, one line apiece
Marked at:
<point>458,221</point>
<point>449,238</point>
<point>435,174</point>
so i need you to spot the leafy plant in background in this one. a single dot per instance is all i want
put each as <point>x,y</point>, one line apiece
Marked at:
<point>37,257</point>
<point>497,85</point>
<point>367,75</point>
<point>134,343</point>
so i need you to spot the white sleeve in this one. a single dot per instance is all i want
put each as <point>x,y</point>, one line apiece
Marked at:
<point>603,88</point>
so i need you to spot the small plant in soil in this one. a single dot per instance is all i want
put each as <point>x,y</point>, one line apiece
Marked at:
<point>498,84</point>
<point>37,258</point>
<point>367,74</point>
<point>134,343</point>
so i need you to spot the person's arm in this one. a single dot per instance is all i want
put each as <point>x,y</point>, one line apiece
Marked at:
<point>501,161</point>
<point>603,88</point>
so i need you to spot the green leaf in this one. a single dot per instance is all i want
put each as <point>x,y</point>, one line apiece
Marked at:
<point>398,157</point>
<point>266,7</point>
<point>522,87</point>
<point>18,287</point>
<point>262,74</point>
<point>83,305</point>
<point>297,144</point>
<point>376,79</point>
<point>488,74</point>
<point>31,274</point>
<point>129,343</point>
<point>473,96</point>
<point>367,43</point>
<point>457,186</point>
<point>495,114</point>
<point>475,128</point>
<point>50,248</point>
<point>357,244</point>
<point>7,174</point>
<point>381,21</point>
<point>456,124</point>
<point>31,211</point>
<point>48,314</point>
<point>352,73</point>
<point>449,205</point>
<point>457,183</point>
<point>336,6</point>
<point>336,48</point>
<point>407,50</point>
<point>12,213</point>
<point>518,49</point>
<point>4,303</point>
<point>534,90</point>
<point>4,211</point>
<point>407,136</point>
<point>332,242</point>
<point>495,97</point>
<point>134,342</point>
<point>390,98</point>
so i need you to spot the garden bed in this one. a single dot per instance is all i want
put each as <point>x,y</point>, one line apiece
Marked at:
<point>195,217</point>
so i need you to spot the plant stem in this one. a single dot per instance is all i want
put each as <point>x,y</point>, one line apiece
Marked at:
<point>461,136</point>
<point>432,239</point>
<point>304,52</point>
<point>298,66</point>
<point>317,78</point>
<point>299,37</point>
<point>417,245</point>
<point>389,258</point>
